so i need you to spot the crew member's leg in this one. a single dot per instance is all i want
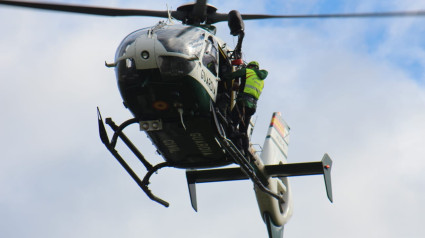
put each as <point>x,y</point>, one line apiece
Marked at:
<point>243,127</point>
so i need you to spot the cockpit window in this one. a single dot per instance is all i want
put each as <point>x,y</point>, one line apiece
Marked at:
<point>187,40</point>
<point>210,56</point>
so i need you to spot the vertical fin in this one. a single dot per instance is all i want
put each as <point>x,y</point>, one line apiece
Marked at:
<point>327,166</point>
<point>275,148</point>
<point>191,183</point>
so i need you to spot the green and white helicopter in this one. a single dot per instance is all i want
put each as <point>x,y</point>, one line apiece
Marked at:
<point>170,77</point>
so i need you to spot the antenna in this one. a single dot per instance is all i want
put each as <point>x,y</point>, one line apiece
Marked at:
<point>170,18</point>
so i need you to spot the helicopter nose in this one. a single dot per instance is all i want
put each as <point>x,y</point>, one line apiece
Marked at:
<point>144,55</point>
<point>150,54</point>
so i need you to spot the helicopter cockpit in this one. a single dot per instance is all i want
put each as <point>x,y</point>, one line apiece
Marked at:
<point>154,63</point>
<point>169,64</point>
<point>153,47</point>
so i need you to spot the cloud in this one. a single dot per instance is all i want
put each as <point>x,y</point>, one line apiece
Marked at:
<point>341,89</point>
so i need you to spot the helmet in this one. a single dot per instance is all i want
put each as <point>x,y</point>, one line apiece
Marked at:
<point>254,63</point>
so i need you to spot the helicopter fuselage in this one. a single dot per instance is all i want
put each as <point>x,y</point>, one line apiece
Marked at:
<point>169,78</point>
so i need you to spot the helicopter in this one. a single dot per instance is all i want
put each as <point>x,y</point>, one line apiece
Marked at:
<point>175,108</point>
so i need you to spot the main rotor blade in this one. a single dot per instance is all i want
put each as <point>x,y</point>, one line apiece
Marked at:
<point>101,11</point>
<point>338,15</point>
<point>219,17</point>
<point>199,11</point>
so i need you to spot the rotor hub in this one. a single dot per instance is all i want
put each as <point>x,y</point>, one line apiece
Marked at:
<point>196,14</point>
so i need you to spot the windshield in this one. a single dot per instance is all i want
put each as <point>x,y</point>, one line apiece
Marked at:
<point>187,40</point>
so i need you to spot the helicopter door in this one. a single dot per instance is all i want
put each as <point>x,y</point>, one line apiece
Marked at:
<point>210,56</point>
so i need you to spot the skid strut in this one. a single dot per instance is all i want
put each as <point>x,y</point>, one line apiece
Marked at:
<point>110,145</point>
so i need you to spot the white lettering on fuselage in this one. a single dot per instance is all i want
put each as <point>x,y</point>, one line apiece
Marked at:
<point>171,146</point>
<point>208,81</point>
<point>201,144</point>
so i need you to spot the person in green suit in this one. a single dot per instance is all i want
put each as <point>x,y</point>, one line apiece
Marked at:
<point>250,88</point>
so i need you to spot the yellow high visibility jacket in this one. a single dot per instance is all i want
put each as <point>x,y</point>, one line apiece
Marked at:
<point>254,85</point>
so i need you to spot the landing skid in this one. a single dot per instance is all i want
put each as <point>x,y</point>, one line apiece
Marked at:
<point>247,169</point>
<point>110,145</point>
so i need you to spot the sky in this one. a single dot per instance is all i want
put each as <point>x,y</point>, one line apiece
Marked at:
<point>352,88</point>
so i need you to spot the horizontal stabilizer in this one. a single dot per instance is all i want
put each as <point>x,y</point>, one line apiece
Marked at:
<point>282,170</point>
